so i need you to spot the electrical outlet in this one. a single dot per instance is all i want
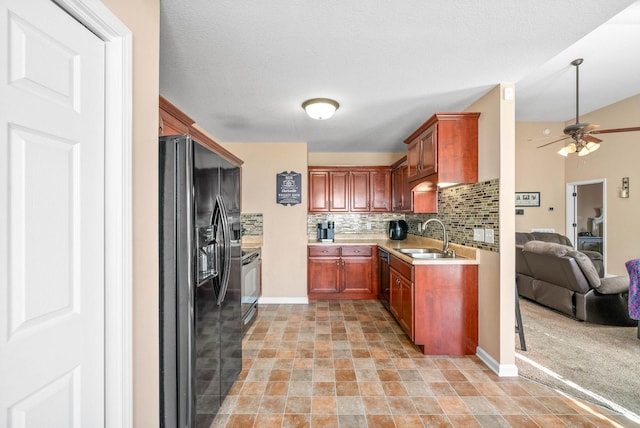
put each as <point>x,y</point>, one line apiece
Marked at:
<point>368,225</point>
<point>488,236</point>
<point>478,235</point>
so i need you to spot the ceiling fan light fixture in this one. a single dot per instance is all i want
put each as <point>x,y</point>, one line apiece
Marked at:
<point>592,147</point>
<point>588,148</point>
<point>569,148</point>
<point>320,108</point>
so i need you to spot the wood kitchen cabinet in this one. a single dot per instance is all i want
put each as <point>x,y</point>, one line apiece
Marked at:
<point>323,270</point>
<point>444,149</point>
<point>172,121</point>
<point>421,154</point>
<point>328,191</point>
<point>401,198</point>
<point>380,192</point>
<point>342,272</point>
<point>358,269</point>
<point>436,305</point>
<point>422,199</point>
<point>445,309</point>
<point>349,189</point>
<point>401,296</point>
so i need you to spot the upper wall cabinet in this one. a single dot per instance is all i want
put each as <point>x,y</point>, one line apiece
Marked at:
<point>400,190</point>
<point>328,190</point>
<point>349,189</point>
<point>444,149</point>
<point>173,121</point>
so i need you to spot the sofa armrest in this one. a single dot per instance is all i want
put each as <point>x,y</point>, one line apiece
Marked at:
<point>613,285</point>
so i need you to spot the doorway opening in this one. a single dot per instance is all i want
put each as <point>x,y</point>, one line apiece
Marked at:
<point>586,210</point>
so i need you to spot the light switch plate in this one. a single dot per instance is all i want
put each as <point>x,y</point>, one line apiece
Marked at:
<point>488,236</point>
<point>478,235</point>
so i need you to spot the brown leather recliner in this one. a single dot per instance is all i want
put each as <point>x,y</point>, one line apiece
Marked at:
<point>555,275</point>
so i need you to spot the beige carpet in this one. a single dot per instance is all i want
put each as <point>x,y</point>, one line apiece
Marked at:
<point>597,363</point>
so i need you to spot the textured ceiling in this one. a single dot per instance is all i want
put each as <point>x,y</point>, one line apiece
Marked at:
<point>241,69</point>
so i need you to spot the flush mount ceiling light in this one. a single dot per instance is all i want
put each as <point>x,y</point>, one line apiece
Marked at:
<point>320,108</point>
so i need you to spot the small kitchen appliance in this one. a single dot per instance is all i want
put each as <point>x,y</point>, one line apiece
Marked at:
<point>325,231</point>
<point>398,229</point>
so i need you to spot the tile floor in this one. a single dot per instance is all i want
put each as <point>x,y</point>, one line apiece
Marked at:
<point>348,364</point>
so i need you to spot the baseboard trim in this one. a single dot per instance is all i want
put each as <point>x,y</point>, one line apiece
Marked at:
<point>283,300</point>
<point>502,370</point>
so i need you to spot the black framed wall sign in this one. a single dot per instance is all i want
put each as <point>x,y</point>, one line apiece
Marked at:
<point>288,188</point>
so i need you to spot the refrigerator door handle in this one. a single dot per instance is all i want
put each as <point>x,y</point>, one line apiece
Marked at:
<point>226,256</point>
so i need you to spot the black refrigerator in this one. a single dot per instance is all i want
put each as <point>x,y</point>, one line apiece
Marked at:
<point>200,275</point>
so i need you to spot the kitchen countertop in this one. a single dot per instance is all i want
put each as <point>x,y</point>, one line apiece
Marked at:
<point>252,241</point>
<point>464,255</point>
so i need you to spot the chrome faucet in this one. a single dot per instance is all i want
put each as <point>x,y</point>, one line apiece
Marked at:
<point>445,240</point>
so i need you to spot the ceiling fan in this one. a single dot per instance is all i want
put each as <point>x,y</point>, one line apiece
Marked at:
<point>582,133</point>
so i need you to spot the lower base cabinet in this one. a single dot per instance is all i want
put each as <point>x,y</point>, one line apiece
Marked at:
<point>342,272</point>
<point>401,294</point>
<point>436,305</point>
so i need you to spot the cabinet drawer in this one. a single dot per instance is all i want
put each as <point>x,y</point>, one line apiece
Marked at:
<point>356,250</point>
<point>403,268</point>
<point>324,251</point>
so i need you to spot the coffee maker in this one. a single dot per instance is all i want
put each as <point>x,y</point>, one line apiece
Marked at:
<point>325,231</point>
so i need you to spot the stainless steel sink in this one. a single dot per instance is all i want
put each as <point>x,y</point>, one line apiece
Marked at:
<point>419,251</point>
<point>437,255</point>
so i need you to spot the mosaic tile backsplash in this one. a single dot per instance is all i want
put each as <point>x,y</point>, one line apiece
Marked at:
<point>251,224</point>
<point>353,223</point>
<point>461,208</point>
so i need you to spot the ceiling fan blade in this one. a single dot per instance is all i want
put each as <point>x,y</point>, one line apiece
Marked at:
<point>590,128</point>
<point>591,139</point>
<point>548,137</point>
<point>554,141</point>
<point>610,131</point>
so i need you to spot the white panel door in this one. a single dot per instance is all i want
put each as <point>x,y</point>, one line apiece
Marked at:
<point>51,218</point>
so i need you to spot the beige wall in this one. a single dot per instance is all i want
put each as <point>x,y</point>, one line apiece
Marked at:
<point>354,158</point>
<point>540,170</point>
<point>143,19</point>
<point>284,255</point>
<point>496,153</point>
